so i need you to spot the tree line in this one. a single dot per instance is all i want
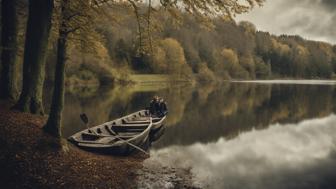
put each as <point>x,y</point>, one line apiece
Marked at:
<point>64,24</point>
<point>219,49</point>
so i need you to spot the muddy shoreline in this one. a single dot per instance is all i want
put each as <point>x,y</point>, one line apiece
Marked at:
<point>154,174</point>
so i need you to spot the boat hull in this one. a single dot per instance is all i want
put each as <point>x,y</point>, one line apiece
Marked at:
<point>134,128</point>
<point>123,149</point>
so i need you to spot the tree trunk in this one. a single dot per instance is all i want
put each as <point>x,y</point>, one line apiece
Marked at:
<point>55,116</point>
<point>36,44</point>
<point>53,126</point>
<point>9,48</point>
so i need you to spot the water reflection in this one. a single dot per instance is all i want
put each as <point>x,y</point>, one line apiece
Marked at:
<point>235,108</point>
<point>236,135</point>
<point>224,110</point>
<point>298,155</point>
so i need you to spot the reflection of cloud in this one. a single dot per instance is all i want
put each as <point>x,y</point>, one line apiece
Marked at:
<point>283,156</point>
<point>313,19</point>
<point>329,4</point>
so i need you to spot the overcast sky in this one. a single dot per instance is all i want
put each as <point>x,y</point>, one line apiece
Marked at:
<point>312,19</point>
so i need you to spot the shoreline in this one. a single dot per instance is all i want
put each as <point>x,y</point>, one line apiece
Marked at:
<point>29,158</point>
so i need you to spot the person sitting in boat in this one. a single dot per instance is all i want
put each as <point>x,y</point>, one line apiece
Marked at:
<point>163,110</point>
<point>153,106</point>
<point>157,105</point>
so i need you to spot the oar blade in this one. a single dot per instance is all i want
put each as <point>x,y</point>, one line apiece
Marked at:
<point>84,118</point>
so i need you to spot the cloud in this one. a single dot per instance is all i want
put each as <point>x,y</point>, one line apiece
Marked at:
<point>284,156</point>
<point>312,19</point>
<point>331,4</point>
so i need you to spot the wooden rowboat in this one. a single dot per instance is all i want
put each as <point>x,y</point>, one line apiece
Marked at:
<point>113,137</point>
<point>119,136</point>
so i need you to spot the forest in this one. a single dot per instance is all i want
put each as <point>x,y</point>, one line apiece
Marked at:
<point>124,42</point>
<point>223,49</point>
<point>195,49</point>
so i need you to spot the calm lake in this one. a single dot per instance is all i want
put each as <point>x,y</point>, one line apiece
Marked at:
<point>271,135</point>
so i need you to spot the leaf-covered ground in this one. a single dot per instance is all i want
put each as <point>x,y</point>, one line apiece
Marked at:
<point>31,159</point>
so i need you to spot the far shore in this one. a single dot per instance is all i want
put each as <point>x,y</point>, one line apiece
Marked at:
<point>289,81</point>
<point>161,78</point>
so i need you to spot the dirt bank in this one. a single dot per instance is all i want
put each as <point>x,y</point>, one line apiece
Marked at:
<point>30,159</point>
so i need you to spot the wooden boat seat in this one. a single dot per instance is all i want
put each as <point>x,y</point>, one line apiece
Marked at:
<point>90,137</point>
<point>101,140</point>
<point>113,130</point>
<point>143,120</point>
<point>109,130</point>
<point>121,129</point>
<point>136,122</point>
<point>94,145</point>
<point>125,123</point>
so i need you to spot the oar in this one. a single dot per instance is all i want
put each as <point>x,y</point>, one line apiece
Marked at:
<point>140,149</point>
<point>85,119</point>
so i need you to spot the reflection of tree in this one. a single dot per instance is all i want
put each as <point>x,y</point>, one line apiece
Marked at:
<point>203,92</point>
<point>98,107</point>
<point>108,104</point>
<point>177,98</point>
<point>206,113</point>
<point>235,108</point>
